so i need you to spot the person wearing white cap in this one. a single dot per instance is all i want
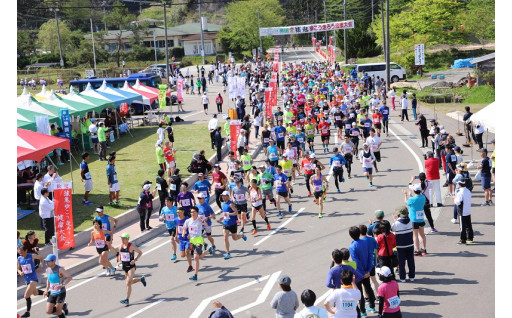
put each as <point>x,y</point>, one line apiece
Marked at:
<point>206,101</point>
<point>145,205</point>
<point>416,206</point>
<point>229,218</point>
<point>240,143</point>
<point>462,201</point>
<point>389,295</point>
<point>366,158</point>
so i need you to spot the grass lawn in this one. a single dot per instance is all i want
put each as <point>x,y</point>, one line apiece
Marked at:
<point>136,162</point>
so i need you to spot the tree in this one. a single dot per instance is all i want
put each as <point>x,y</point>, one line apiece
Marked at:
<point>241,31</point>
<point>175,13</point>
<point>118,18</point>
<point>47,39</point>
<point>478,20</point>
<point>25,44</point>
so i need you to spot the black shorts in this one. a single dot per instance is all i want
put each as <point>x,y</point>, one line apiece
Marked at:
<point>108,238</point>
<point>417,225</point>
<point>101,250</point>
<point>378,126</point>
<point>283,194</point>
<point>348,158</point>
<point>274,163</point>
<point>241,208</point>
<point>450,176</point>
<point>295,165</point>
<point>94,140</point>
<point>324,138</point>
<point>319,194</point>
<point>280,144</point>
<point>126,268</point>
<point>198,249</point>
<point>205,106</point>
<point>57,298</point>
<point>372,272</point>
<point>377,155</point>
<point>230,228</point>
<point>311,140</point>
<point>493,170</point>
<point>172,232</point>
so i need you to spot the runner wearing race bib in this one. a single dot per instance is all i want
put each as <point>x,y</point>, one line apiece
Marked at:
<point>416,206</point>
<point>256,199</point>
<point>127,257</point>
<point>375,143</point>
<point>282,185</point>
<point>318,181</point>
<point>27,269</point>
<point>384,110</point>
<point>203,186</point>
<point>336,162</point>
<point>206,214</point>
<point>229,218</point>
<point>347,148</point>
<point>98,240</point>
<point>55,286</point>
<point>323,126</point>
<point>238,194</point>
<point>169,215</point>
<point>184,243</point>
<point>366,158</point>
<point>194,225</point>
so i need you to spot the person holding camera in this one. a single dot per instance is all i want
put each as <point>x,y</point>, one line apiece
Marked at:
<point>479,132</point>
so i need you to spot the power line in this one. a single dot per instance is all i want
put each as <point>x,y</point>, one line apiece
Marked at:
<point>150,4</point>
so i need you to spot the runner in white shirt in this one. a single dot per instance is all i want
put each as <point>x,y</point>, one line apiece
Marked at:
<point>206,101</point>
<point>366,158</point>
<point>375,143</point>
<point>347,147</point>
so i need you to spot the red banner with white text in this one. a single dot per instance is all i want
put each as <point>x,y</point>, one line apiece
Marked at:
<point>64,228</point>
<point>234,132</point>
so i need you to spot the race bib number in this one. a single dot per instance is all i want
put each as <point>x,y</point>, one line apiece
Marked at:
<point>308,166</point>
<point>240,197</point>
<point>27,269</point>
<point>337,117</point>
<point>377,120</point>
<point>193,229</point>
<point>87,175</point>
<point>348,305</point>
<point>385,112</point>
<point>316,113</point>
<point>348,149</point>
<point>279,117</point>
<point>232,165</point>
<point>159,187</point>
<point>280,135</point>
<point>324,131</point>
<point>347,126</point>
<point>226,215</point>
<point>454,158</point>
<point>265,140</point>
<point>104,226</point>
<point>318,188</point>
<point>367,124</point>
<point>185,202</point>
<point>54,287</point>
<point>272,155</point>
<point>352,115</point>
<point>180,229</point>
<point>205,193</point>
<point>301,140</point>
<point>172,187</point>
<point>100,243</point>
<point>217,185</point>
<point>278,183</point>
<point>420,215</point>
<point>336,163</point>
<point>310,132</point>
<point>286,171</point>
<point>169,217</point>
<point>394,302</point>
<point>125,257</point>
<point>374,148</point>
<point>247,162</point>
<point>367,160</point>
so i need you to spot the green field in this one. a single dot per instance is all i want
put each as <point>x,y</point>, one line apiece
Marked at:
<point>135,163</point>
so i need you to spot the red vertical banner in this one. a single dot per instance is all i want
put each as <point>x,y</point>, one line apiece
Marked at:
<point>313,40</point>
<point>234,132</point>
<point>64,227</point>
<point>179,89</point>
<point>268,106</point>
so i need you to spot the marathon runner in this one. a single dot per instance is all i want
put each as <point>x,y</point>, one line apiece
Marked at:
<point>206,213</point>
<point>348,148</point>
<point>194,227</point>
<point>57,279</point>
<point>256,199</point>
<point>238,195</point>
<point>27,269</point>
<point>126,255</point>
<point>98,239</point>
<point>282,185</point>
<point>375,143</point>
<point>265,180</point>
<point>336,162</point>
<point>169,215</point>
<point>229,218</point>
<point>366,158</point>
<point>320,187</point>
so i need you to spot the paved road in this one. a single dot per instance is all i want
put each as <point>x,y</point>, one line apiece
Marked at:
<point>301,249</point>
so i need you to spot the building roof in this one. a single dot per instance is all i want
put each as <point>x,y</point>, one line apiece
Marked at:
<point>483,58</point>
<point>197,37</point>
<point>180,30</point>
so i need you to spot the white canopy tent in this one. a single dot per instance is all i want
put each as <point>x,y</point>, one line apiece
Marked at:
<point>26,102</point>
<point>486,117</point>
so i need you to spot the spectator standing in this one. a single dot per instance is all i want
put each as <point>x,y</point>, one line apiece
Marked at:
<point>485,172</point>
<point>219,101</point>
<point>405,103</point>
<point>38,186</point>
<point>86,178</point>
<point>414,104</point>
<point>218,139</point>
<point>432,172</point>
<point>479,132</point>
<point>50,178</point>
<point>286,301</point>
<point>463,202</point>
<point>308,298</point>
<point>206,101</point>
<point>47,213</point>
<point>212,127</point>
<point>422,125</point>
<point>404,242</point>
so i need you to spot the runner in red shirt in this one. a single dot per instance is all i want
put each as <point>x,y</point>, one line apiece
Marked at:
<point>323,127</point>
<point>219,183</point>
<point>377,118</point>
<point>307,169</point>
<point>169,159</point>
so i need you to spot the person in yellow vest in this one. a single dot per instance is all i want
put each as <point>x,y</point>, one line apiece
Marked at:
<point>160,157</point>
<point>102,139</point>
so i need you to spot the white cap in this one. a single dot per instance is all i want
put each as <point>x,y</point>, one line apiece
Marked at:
<point>312,155</point>
<point>201,195</point>
<point>416,187</point>
<point>384,271</point>
<point>225,193</point>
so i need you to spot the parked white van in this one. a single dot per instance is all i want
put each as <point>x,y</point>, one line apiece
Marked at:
<point>396,72</point>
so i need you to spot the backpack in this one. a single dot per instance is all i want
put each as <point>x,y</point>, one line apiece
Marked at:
<point>467,179</point>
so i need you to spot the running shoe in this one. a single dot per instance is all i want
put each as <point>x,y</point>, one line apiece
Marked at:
<point>268,227</point>
<point>417,253</point>
<point>411,279</point>
<point>211,249</point>
<point>320,215</point>
<point>363,314</point>
<point>290,208</point>
<point>461,242</point>
<point>433,230</point>
<point>484,203</point>
<point>27,314</point>
<point>112,271</point>
<point>279,214</point>
<point>65,308</point>
<point>173,258</point>
<point>107,272</point>
<point>89,203</point>
<point>423,252</point>
<point>143,280</point>
<point>367,178</point>
<point>370,309</point>
<point>189,269</point>
<point>371,184</point>
<point>244,237</point>
<point>205,246</point>
<point>490,202</point>
<point>254,232</point>
<point>125,301</point>
<point>227,256</point>
<point>454,221</point>
<point>339,191</point>
<point>193,277</point>
<point>112,204</point>
<point>118,203</point>
<point>402,280</point>
<point>342,179</point>
<point>293,182</point>
<point>469,242</point>
<point>323,199</point>
<point>309,193</point>
<point>440,205</point>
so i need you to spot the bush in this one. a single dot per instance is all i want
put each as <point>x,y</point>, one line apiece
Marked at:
<point>177,52</point>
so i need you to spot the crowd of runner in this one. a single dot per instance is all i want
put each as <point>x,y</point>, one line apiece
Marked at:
<point>318,100</point>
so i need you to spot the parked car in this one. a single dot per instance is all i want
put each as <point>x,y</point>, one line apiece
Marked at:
<point>379,69</point>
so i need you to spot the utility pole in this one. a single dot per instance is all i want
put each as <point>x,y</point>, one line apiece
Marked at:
<point>166,44</point>
<point>372,11</point>
<point>383,30</point>
<point>261,45</point>
<point>93,49</point>
<point>325,18</point>
<point>387,45</point>
<point>154,43</point>
<point>104,23</point>
<point>58,35</point>
<point>202,37</point>
<point>316,21</point>
<point>345,31</point>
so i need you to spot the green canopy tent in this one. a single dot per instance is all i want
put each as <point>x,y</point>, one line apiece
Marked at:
<point>26,119</point>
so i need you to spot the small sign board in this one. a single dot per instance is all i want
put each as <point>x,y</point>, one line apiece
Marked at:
<point>419,54</point>
<point>89,73</point>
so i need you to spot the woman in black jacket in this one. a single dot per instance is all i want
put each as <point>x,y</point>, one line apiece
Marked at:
<point>422,123</point>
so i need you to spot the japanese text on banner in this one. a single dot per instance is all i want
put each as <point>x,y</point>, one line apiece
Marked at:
<point>64,228</point>
<point>234,131</point>
<point>179,90</point>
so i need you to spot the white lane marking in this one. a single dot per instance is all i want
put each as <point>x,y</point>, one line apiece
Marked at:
<point>205,302</point>
<point>190,115</point>
<point>314,55</point>
<point>145,308</point>
<point>92,278</point>
<point>330,173</point>
<point>264,294</point>
<point>279,228</point>
<point>324,296</point>
<point>418,161</point>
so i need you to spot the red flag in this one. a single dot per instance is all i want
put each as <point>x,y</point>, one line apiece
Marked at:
<point>268,107</point>
<point>234,131</point>
<point>64,227</point>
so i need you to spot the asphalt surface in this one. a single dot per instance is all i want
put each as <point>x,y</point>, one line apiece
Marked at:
<point>447,284</point>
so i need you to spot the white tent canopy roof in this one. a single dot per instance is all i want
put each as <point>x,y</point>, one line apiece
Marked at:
<point>25,102</point>
<point>486,117</point>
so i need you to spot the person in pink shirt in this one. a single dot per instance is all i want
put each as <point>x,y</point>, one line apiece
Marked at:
<point>389,295</point>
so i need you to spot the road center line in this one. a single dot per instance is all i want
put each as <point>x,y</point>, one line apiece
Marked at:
<point>279,228</point>
<point>263,295</point>
<point>145,308</point>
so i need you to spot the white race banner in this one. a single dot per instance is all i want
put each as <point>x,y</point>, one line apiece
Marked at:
<point>419,54</point>
<point>232,87</point>
<point>240,85</point>
<point>308,28</point>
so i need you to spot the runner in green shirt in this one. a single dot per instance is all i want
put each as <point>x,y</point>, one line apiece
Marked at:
<point>265,180</point>
<point>246,160</point>
<point>310,135</point>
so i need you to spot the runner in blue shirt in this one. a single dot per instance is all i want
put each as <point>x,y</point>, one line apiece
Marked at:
<point>280,133</point>
<point>384,110</point>
<point>282,184</point>
<point>86,178</point>
<point>27,270</point>
<point>170,216</point>
<point>206,213</point>
<point>336,162</point>
<point>202,186</point>
<point>229,218</point>
<point>183,241</point>
<point>273,153</point>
